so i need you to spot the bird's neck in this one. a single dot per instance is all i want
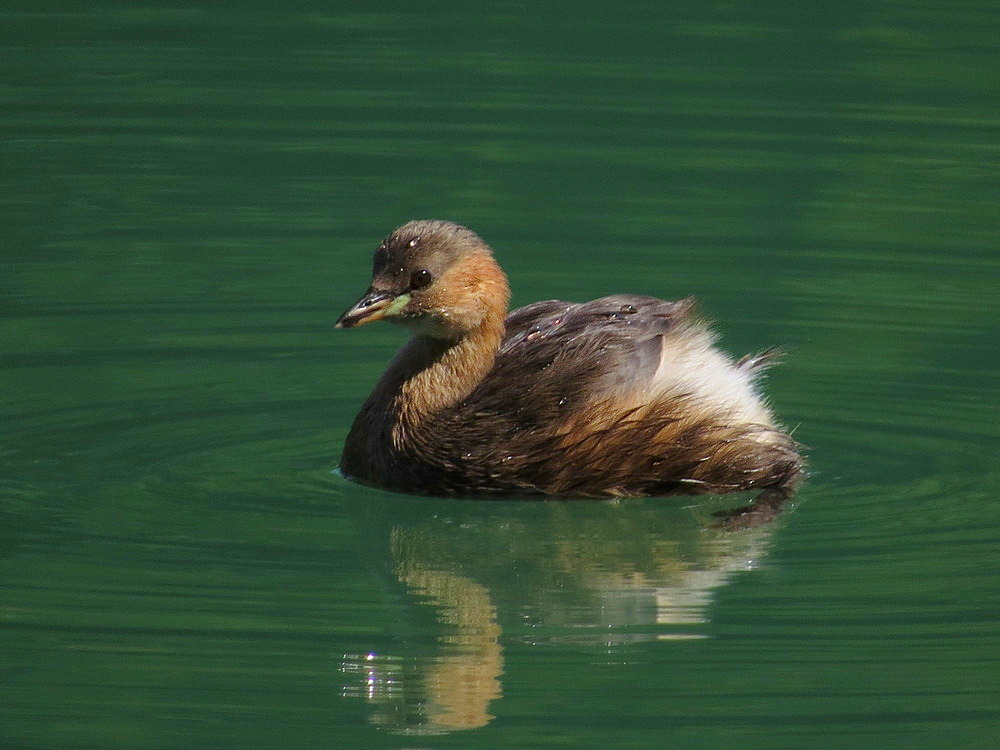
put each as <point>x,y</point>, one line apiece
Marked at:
<point>429,375</point>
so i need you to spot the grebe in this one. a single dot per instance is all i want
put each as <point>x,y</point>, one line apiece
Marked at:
<point>622,396</point>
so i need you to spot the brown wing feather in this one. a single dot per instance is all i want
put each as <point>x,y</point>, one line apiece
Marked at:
<point>549,416</point>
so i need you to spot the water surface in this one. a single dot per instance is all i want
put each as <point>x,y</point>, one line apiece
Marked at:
<point>190,196</point>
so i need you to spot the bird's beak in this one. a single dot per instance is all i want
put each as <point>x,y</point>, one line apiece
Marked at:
<point>372,306</point>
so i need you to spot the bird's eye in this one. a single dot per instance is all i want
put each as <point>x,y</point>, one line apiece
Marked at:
<point>420,279</point>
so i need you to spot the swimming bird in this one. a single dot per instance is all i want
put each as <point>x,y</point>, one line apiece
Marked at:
<point>625,395</point>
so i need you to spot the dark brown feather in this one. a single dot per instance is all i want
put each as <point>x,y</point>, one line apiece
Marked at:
<point>529,425</point>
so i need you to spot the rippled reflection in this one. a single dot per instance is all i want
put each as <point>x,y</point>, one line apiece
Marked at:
<point>596,573</point>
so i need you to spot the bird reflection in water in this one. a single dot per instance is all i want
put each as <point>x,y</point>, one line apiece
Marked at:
<point>475,574</point>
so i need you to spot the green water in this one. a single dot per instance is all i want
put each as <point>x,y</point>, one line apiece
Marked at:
<point>189,196</point>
